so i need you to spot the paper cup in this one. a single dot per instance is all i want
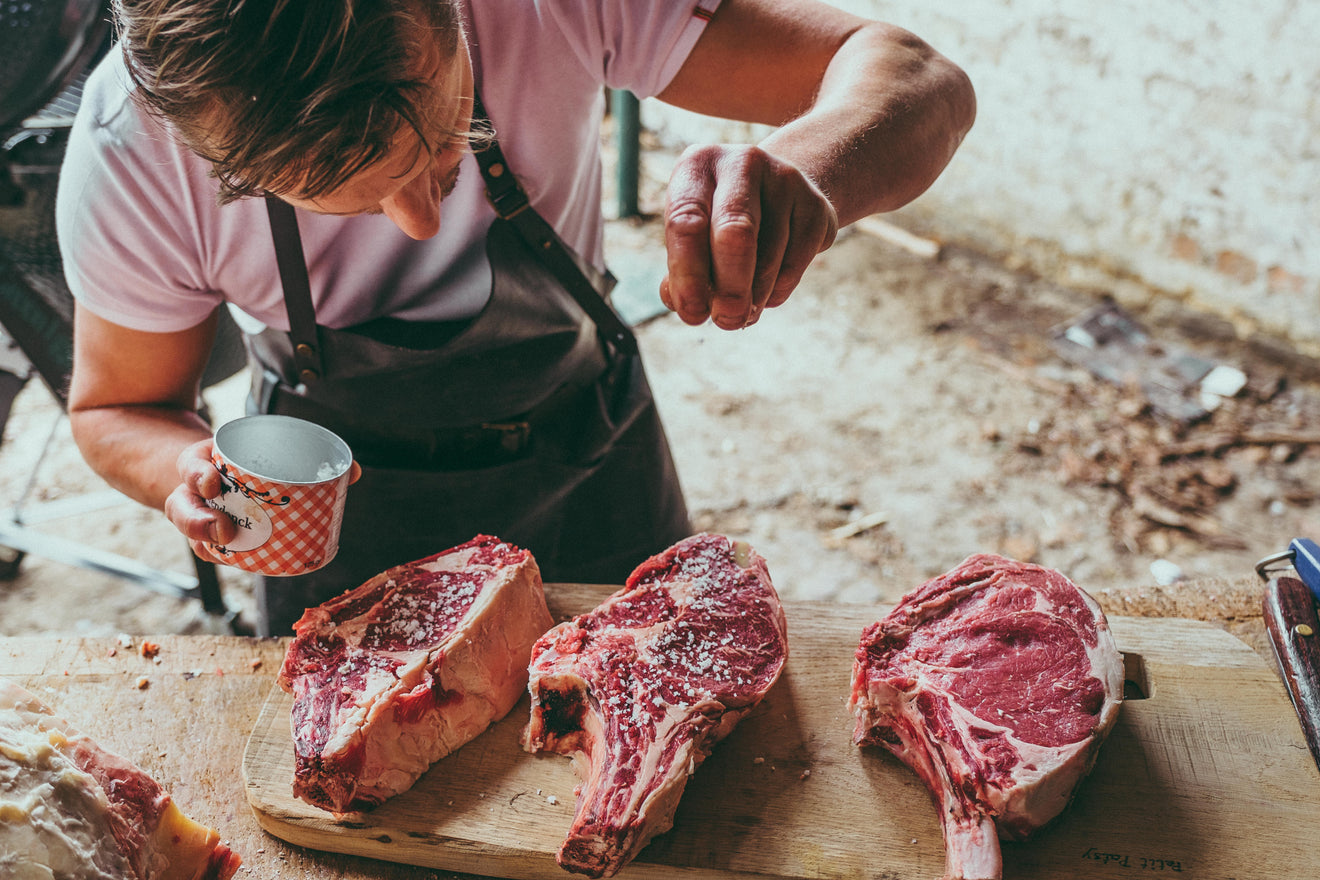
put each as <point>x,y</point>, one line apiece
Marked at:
<point>285,481</point>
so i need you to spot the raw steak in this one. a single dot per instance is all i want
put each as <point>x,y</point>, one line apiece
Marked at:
<point>997,683</point>
<point>394,675</point>
<point>69,809</point>
<point>643,687</point>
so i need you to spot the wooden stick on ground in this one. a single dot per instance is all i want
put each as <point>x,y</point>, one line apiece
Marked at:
<point>886,231</point>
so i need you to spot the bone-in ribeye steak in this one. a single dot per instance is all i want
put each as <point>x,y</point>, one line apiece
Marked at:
<point>996,682</point>
<point>392,676</point>
<point>646,684</point>
<point>72,810</point>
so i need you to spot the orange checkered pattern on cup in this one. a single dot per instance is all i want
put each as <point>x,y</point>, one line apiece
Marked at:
<point>284,485</point>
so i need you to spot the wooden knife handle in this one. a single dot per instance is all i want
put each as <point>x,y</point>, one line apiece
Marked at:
<point>1294,630</point>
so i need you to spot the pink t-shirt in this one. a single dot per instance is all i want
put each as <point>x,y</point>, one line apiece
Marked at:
<point>145,245</point>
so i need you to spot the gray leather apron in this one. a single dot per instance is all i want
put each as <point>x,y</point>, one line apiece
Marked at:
<point>532,421</point>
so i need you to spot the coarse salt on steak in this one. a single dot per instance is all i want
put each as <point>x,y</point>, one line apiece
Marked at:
<point>72,810</point>
<point>996,682</point>
<point>392,676</point>
<point>642,688</point>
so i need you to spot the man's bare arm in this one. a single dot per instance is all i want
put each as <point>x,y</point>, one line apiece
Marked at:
<point>132,408</point>
<point>868,114</point>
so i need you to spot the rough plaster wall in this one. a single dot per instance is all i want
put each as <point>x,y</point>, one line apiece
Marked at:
<point>1174,142</point>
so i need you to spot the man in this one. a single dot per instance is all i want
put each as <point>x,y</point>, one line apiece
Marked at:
<point>473,390</point>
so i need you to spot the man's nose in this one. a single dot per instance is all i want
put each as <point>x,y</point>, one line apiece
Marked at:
<point>415,209</point>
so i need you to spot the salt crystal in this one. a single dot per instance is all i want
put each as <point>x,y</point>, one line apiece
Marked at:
<point>1077,336</point>
<point>1165,572</point>
<point>1224,381</point>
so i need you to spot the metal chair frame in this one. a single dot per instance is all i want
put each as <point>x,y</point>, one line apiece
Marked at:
<point>59,45</point>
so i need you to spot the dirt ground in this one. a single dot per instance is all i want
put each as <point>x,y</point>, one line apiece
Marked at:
<point>901,412</point>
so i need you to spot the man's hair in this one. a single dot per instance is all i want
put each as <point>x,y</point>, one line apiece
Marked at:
<point>286,95</point>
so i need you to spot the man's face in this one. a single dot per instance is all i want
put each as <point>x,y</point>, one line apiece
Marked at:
<point>408,183</point>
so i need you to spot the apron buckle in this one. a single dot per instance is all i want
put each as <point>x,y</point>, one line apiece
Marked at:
<point>508,202</point>
<point>513,436</point>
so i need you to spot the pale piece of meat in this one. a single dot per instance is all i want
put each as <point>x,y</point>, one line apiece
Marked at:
<point>641,689</point>
<point>70,809</point>
<point>393,675</point>
<point>996,682</point>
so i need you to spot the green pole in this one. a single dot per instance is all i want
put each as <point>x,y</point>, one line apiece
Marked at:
<point>627,121</point>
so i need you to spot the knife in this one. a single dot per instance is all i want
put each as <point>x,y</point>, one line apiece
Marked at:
<point>1294,630</point>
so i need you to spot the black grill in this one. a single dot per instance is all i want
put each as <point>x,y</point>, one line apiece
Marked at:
<point>45,45</point>
<point>47,49</point>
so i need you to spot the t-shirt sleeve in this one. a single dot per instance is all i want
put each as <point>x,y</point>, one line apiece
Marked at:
<point>128,244</point>
<point>637,45</point>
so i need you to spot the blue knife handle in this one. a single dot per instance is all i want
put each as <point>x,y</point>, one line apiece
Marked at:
<point>1306,561</point>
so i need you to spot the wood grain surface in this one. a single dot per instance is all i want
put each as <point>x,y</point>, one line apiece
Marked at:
<point>1206,775</point>
<point>187,727</point>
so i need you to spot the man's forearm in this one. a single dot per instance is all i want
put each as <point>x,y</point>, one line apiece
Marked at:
<point>888,117</point>
<point>135,448</point>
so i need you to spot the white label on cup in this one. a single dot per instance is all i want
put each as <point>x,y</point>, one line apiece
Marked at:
<point>251,521</point>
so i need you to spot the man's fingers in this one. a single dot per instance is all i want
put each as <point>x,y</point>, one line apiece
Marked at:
<point>186,506</point>
<point>741,228</point>
<point>687,288</point>
<point>811,232</point>
<point>204,552</point>
<point>771,248</point>
<point>735,230</point>
<point>189,513</point>
<point>196,469</point>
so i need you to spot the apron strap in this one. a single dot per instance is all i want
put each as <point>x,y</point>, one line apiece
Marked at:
<point>297,290</point>
<point>583,281</point>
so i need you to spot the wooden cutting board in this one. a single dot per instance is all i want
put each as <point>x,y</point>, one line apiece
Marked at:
<point>1206,775</point>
